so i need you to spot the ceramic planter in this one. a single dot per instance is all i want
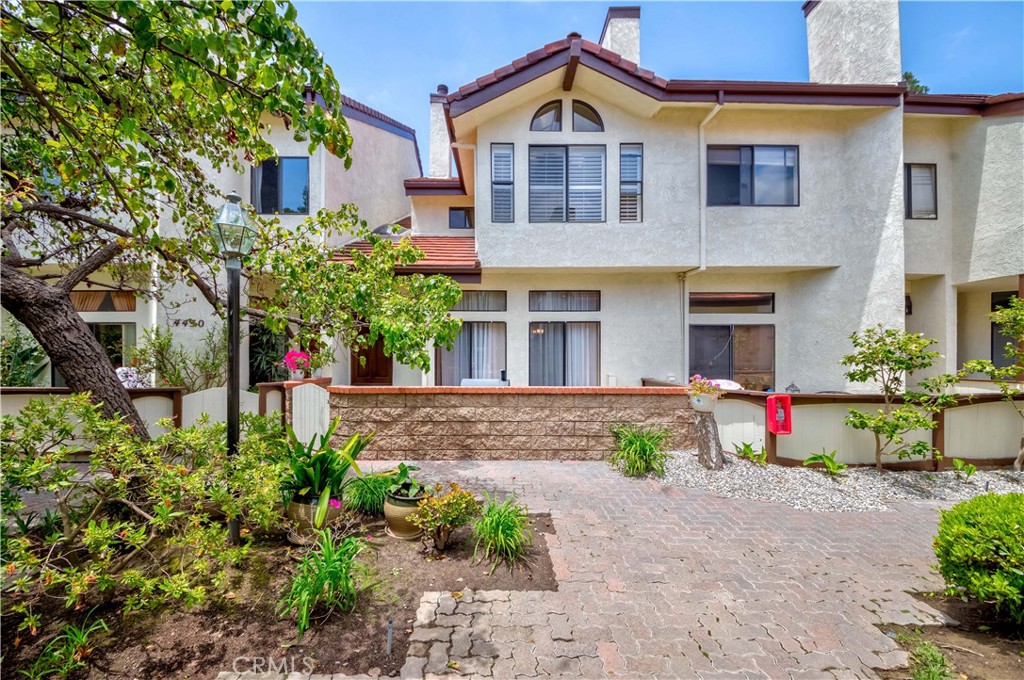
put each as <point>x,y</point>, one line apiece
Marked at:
<point>705,403</point>
<point>396,511</point>
<point>302,516</point>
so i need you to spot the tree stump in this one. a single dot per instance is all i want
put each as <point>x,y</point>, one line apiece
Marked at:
<point>709,446</point>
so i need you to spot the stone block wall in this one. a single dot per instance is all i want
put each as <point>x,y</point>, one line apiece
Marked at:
<point>510,423</point>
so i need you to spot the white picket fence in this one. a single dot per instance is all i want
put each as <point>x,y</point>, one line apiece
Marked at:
<point>214,403</point>
<point>310,411</point>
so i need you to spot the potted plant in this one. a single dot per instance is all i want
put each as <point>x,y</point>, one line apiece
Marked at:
<point>319,476</point>
<point>402,500</point>
<point>703,394</point>
<point>298,362</point>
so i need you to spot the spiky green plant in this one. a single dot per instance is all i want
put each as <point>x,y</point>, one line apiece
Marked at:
<point>503,531</point>
<point>366,494</point>
<point>325,579</point>
<point>639,450</point>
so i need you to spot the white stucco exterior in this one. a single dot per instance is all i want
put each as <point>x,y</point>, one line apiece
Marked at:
<point>854,41</point>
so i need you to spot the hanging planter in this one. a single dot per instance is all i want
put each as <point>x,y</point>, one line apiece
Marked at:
<point>703,394</point>
<point>704,403</point>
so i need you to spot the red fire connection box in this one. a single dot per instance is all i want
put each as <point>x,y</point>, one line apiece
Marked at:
<point>778,413</point>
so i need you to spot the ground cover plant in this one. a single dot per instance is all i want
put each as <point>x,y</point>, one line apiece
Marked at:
<point>638,450</point>
<point>503,531</point>
<point>980,550</point>
<point>964,470</point>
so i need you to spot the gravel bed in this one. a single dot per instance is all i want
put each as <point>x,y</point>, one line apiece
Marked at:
<point>858,490</point>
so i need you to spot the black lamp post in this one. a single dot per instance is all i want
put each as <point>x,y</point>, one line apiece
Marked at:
<point>234,234</point>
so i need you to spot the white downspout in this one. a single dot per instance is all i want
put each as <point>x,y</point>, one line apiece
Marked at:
<point>702,171</point>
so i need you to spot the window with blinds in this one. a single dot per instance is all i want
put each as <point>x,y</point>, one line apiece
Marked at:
<point>567,183</point>
<point>631,178</point>
<point>502,166</point>
<point>919,190</point>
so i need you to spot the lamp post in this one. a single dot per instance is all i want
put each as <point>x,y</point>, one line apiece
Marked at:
<point>234,235</point>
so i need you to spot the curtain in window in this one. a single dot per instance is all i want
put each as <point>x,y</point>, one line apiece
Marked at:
<point>87,301</point>
<point>547,184</point>
<point>565,300</point>
<point>547,354</point>
<point>501,183</point>
<point>586,184</point>
<point>482,301</point>
<point>479,352</point>
<point>582,354</point>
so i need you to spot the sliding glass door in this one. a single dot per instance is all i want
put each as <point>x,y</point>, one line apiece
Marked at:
<point>565,353</point>
<point>479,352</point>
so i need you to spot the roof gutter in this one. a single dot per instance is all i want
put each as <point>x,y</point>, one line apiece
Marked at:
<point>702,171</point>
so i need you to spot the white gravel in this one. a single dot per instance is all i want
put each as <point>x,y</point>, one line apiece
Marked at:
<point>857,490</point>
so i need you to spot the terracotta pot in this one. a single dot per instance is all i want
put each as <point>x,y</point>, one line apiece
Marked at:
<point>705,403</point>
<point>303,514</point>
<point>396,511</point>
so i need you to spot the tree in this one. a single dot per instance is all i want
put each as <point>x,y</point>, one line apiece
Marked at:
<point>1010,320</point>
<point>913,84</point>
<point>111,110</point>
<point>886,356</point>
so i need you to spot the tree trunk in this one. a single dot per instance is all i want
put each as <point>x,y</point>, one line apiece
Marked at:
<point>48,314</point>
<point>709,446</point>
<point>1018,464</point>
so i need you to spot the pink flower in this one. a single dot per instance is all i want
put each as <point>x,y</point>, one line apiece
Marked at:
<point>334,503</point>
<point>296,360</point>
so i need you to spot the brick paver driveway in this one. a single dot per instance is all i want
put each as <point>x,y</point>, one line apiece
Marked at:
<point>657,581</point>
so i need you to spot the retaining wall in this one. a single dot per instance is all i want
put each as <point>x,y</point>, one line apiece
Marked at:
<point>505,423</point>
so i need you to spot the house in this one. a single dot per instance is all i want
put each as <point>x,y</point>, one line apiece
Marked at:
<point>384,152</point>
<point>608,224</point>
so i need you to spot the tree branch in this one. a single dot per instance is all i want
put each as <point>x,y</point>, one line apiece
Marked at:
<point>90,264</point>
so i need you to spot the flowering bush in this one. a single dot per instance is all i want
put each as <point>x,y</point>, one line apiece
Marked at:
<point>297,360</point>
<point>440,515</point>
<point>700,385</point>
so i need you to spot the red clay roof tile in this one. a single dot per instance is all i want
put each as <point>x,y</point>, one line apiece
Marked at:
<point>441,254</point>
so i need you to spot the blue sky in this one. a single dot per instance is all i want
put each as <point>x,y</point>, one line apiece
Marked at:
<point>392,55</point>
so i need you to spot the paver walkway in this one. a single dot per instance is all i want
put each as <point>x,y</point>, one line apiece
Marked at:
<point>658,581</point>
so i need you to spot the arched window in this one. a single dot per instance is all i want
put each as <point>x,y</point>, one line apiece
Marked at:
<point>585,118</point>
<point>548,118</point>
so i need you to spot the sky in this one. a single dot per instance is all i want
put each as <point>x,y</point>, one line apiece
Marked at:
<point>392,55</point>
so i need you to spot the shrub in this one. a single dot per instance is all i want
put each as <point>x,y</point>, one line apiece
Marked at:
<point>367,493</point>
<point>746,450</point>
<point>325,579</point>
<point>828,461</point>
<point>21,357</point>
<point>174,364</point>
<point>439,515</point>
<point>964,469</point>
<point>886,356</point>
<point>980,548</point>
<point>503,530</point>
<point>639,450</point>
<point>135,526</point>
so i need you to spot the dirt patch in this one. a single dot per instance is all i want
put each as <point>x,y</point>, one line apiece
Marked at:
<point>203,641</point>
<point>978,648</point>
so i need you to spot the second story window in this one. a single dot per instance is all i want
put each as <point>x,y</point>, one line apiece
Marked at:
<point>281,185</point>
<point>501,183</point>
<point>919,187</point>
<point>585,118</point>
<point>460,218</point>
<point>567,183</point>
<point>631,182</point>
<point>753,175</point>
<point>548,118</point>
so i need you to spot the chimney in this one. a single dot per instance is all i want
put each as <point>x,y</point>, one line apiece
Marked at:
<point>853,42</point>
<point>621,32</point>
<point>440,144</point>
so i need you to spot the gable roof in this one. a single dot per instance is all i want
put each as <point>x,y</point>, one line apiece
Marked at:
<point>573,50</point>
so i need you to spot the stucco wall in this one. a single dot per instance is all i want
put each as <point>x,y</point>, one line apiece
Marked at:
<point>929,243</point>
<point>974,328</point>
<point>430,215</point>
<point>933,304</point>
<point>667,237</point>
<point>510,424</point>
<point>988,236</point>
<point>854,42</point>
<point>381,161</point>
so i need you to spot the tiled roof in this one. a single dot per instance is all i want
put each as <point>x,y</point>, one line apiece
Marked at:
<point>374,113</point>
<point>441,254</point>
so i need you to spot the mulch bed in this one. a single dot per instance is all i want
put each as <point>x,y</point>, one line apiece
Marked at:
<point>203,641</point>
<point>979,648</point>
